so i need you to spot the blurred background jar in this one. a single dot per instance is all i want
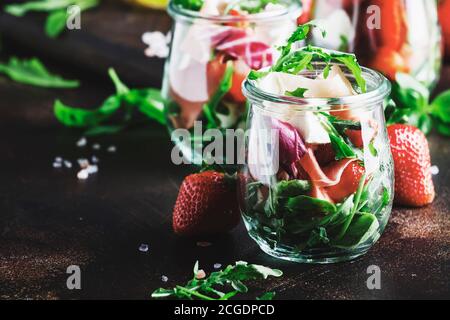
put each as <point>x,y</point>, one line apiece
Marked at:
<point>444,19</point>
<point>387,35</point>
<point>155,4</point>
<point>211,54</point>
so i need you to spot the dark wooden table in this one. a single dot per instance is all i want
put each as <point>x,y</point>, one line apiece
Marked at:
<point>50,220</point>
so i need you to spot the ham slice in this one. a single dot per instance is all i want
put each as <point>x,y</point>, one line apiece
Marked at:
<point>317,175</point>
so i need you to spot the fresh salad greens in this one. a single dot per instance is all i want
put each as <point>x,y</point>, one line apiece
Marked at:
<point>33,72</point>
<point>305,222</point>
<point>56,9</point>
<point>213,287</point>
<point>412,106</point>
<point>194,5</point>
<point>147,101</point>
<point>294,61</point>
<point>247,6</point>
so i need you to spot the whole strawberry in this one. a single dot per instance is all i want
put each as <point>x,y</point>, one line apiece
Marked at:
<point>206,204</point>
<point>413,183</point>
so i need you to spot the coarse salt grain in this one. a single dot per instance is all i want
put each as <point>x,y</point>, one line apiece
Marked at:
<point>434,170</point>
<point>157,44</point>
<point>96,146</point>
<point>58,159</point>
<point>57,164</point>
<point>67,164</point>
<point>94,159</point>
<point>112,149</point>
<point>81,142</point>
<point>83,163</point>
<point>82,174</point>
<point>164,278</point>
<point>92,169</point>
<point>217,265</point>
<point>143,247</point>
<point>201,274</point>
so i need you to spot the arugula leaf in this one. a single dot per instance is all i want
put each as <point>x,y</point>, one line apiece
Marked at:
<point>209,109</point>
<point>340,146</point>
<point>147,101</point>
<point>194,5</point>
<point>33,72</point>
<point>207,289</point>
<point>255,75</point>
<point>267,296</point>
<point>20,9</point>
<point>55,23</point>
<point>299,93</point>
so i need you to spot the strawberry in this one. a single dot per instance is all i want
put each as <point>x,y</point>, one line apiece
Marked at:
<point>348,182</point>
<point>206,204</point>
<point>413,183</point>
<point>444,12</point>
<point>389,62</point>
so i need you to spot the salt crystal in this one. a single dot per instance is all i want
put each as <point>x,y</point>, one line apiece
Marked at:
<point>217,265</point>
<point>81,142</point>
<point>92,169</point>
<point>157,44</point>
<point>96,146</point>
<point>82,174</point>
<point>67,164</point>
<point>143,247</point>
<point>57,164</point>
<point>112,149</point>
<point>203,244</point>
<point>58,159</point>
<point>164,278</point>
<point>94,159</point>
<point>83,163</point>
<point>201,274</point>
<point>434,170</point>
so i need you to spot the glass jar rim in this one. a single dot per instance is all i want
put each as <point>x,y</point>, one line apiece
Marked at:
<point>178,12</point>
<point>369,98</point>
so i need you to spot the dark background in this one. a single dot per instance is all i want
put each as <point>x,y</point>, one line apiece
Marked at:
<point>50,220</point>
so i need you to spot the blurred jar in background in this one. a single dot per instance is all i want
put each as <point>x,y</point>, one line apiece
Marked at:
<point>444,18</point>
<point>155,4</point>
<point>387,35</point>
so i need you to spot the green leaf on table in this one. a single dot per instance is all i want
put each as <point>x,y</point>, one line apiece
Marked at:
<point>77,117</point>
<point>233,277</point>
<point>33,72</point>
<point>20,9</point>
<point>121,88</point>
<point>55,23</point>
<point>440,107</point>
<point>149,102</point>
<point>267,296</point>
<point>409,93</point>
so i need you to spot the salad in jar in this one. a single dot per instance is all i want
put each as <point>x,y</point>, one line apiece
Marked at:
<point>215,44</point>
<point>318,179</point>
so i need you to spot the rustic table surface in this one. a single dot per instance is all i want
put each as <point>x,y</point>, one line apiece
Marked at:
<point>49,219</point>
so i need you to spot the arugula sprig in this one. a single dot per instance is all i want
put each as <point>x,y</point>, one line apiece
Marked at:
<point>56,9</point>
<point>213,287</point>
<point>33,72</point>
<point>294,61</point>
<point>147,101</point>
<point>412,106</point>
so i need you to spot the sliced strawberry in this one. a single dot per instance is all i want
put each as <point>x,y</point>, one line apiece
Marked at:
<point>206,204</point>
<point>413,183</point>
<point>348,182</point>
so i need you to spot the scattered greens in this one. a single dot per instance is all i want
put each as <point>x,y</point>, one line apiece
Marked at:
<point>294,61</point>
<point>250,6</point>
<point>33,72</point>
<point>147,101</point>
<point>214,287</point>
<point>411,105</point>
<point>56,9</point>
<point>194,5</point>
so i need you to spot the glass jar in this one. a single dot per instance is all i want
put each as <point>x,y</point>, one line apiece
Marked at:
<point>388,36</point>
<point>210,56</point>
<point>297,200</point>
